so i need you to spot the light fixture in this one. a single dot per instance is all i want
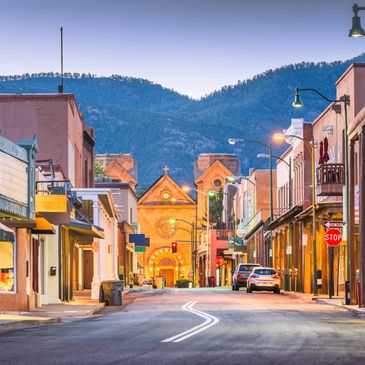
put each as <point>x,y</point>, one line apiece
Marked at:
<point>232,140</point>
<point>211,193</point>
<point>297,102</point>
<point>172,221</point>
<point>279,137</point>
<point>263,155</point>
<point>186,188</point>
<point>356,30</point>
<point>173,200</point>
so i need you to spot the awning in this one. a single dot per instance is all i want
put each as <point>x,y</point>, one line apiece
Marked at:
<point>85,229</point>
<point>43,226</point>
<point>6,234</point>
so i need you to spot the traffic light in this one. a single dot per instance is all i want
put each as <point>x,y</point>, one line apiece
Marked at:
<point>174,247</point>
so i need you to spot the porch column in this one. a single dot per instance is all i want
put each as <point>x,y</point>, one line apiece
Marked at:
<point>97,252</point>
<point>362,215</point>
<point>351,274</point>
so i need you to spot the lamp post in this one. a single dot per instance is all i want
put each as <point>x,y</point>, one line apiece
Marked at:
<point>290,193</point>
<point>208,194</point>
<point>172,221</point>
<point>345,99</point>
<point>281,137</point>
<point>233,141</point>
<point>356,30</point>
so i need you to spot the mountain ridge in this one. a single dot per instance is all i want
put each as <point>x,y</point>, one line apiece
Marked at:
<point>162,127</point>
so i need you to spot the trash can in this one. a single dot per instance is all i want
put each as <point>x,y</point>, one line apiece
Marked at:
<point>158,282</point>
<point>111,292</point>
<point>347,293</point>
<point>211,281</point>
<point>286,282</point>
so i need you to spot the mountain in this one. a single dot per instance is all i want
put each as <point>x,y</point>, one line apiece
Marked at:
<point>162,127</point>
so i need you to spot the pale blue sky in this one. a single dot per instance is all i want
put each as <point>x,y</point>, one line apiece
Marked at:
<point>192,46</point>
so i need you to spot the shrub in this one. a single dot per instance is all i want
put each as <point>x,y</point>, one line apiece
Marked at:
<point>183,283</point>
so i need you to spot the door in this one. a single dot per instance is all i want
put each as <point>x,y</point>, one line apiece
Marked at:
<point>88,268</point>
<point>169,275</point>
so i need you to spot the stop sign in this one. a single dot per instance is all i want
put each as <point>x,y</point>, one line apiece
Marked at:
<point>333,237</point>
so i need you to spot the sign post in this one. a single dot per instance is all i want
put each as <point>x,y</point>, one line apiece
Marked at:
<point>333,237</point>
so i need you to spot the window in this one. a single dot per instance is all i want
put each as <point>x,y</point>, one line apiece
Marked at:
<point>7,270</point>
<point>217,183</point>
<point>265,271</point>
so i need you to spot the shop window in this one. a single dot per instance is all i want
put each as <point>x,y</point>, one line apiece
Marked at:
<point>7,270</point>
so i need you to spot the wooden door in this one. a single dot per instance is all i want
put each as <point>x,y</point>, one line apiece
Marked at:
<point>169,275</point>
<point>88,268</point>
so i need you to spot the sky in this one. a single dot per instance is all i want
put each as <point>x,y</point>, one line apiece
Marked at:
<point>191,46</point>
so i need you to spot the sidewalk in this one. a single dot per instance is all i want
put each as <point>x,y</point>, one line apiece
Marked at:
<point>324,299</point>
<point>82,306</point>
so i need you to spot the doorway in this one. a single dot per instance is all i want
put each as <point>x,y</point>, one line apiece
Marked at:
<point>169,275</point>
<point>88,268</point>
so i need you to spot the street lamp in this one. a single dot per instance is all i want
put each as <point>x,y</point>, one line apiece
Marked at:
<point>345,99</point>
<point>233,141</point>
<point>208,195</point>
<point>265,155</point>
<point>280,137</point>
<point>173,221</point>
<point>356,30</point>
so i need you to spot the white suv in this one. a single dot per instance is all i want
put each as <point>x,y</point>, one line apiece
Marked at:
<point>263,278</point>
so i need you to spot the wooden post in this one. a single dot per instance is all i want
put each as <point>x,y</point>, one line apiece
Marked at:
<point>362,214</point>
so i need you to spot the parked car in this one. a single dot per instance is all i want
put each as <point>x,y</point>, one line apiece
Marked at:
<point>263,278</point>
<point>239,278</point>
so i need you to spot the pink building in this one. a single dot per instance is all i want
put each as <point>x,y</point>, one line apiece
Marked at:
<point>58,126</point>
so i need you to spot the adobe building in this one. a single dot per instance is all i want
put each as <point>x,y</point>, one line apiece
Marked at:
<point>164,200</point>
<point>58,125</point>
<point>120,166</point>
<point>210,173</point>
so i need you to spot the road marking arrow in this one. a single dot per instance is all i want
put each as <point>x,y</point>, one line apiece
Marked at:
<point>209,322</point>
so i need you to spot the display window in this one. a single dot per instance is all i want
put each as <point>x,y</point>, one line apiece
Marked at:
<point>7,266</point>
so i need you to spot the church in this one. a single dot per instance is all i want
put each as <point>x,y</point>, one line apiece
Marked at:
<point>166,200</point>
<point>163,201</point>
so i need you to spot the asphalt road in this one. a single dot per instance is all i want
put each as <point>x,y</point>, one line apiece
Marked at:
<point>239,328</point>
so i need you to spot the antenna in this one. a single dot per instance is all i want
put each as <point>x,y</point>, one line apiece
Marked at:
<point>60,87</point>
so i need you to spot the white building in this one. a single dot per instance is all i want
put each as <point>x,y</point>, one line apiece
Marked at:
<point>99,261</point>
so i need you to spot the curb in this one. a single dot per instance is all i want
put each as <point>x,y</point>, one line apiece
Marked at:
<point>349,309</point>
<point>30,322</point>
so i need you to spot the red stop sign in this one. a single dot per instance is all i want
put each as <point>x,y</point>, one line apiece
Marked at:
<point>333,237</point>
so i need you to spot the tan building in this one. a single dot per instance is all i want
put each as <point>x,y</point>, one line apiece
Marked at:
<point>164,200</point>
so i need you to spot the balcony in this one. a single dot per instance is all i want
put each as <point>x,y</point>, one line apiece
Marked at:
<point>53,200</point>
<point>223,234</point>
<point>330,179</point>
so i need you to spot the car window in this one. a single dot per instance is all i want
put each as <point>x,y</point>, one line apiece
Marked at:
<point>246,267</point>
<point>265,271</point>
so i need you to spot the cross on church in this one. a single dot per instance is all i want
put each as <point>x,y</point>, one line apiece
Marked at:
<point>166,169</point>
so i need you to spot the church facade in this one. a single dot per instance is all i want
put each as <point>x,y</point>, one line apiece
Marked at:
<point>165,200</point>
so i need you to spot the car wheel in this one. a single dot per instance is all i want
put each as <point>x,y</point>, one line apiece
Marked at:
<point>277,291</point>
<point>249,290</point>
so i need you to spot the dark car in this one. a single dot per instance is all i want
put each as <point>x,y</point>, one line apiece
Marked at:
<point>240,276</point>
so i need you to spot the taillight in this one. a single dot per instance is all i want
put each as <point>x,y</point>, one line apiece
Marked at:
<point>240,276</point>
<point>254,276</point>
<point>276,276</point>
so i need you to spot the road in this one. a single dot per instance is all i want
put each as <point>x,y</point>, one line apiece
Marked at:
<point>258,328</point>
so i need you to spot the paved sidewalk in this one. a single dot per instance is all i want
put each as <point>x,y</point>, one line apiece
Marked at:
<point>324,299</point>
<point>80,307</point>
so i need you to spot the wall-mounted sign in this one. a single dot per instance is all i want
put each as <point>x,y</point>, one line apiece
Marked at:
<point>327,129</point>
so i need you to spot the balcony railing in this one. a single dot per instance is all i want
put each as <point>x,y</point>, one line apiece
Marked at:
<point>223,234</point>
<point>54,200</point>
<point>330,179</point>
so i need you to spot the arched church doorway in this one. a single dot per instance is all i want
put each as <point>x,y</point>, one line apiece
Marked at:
<point>167,264</point>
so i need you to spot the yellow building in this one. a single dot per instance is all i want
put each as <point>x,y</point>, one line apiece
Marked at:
<point>164,200</point>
